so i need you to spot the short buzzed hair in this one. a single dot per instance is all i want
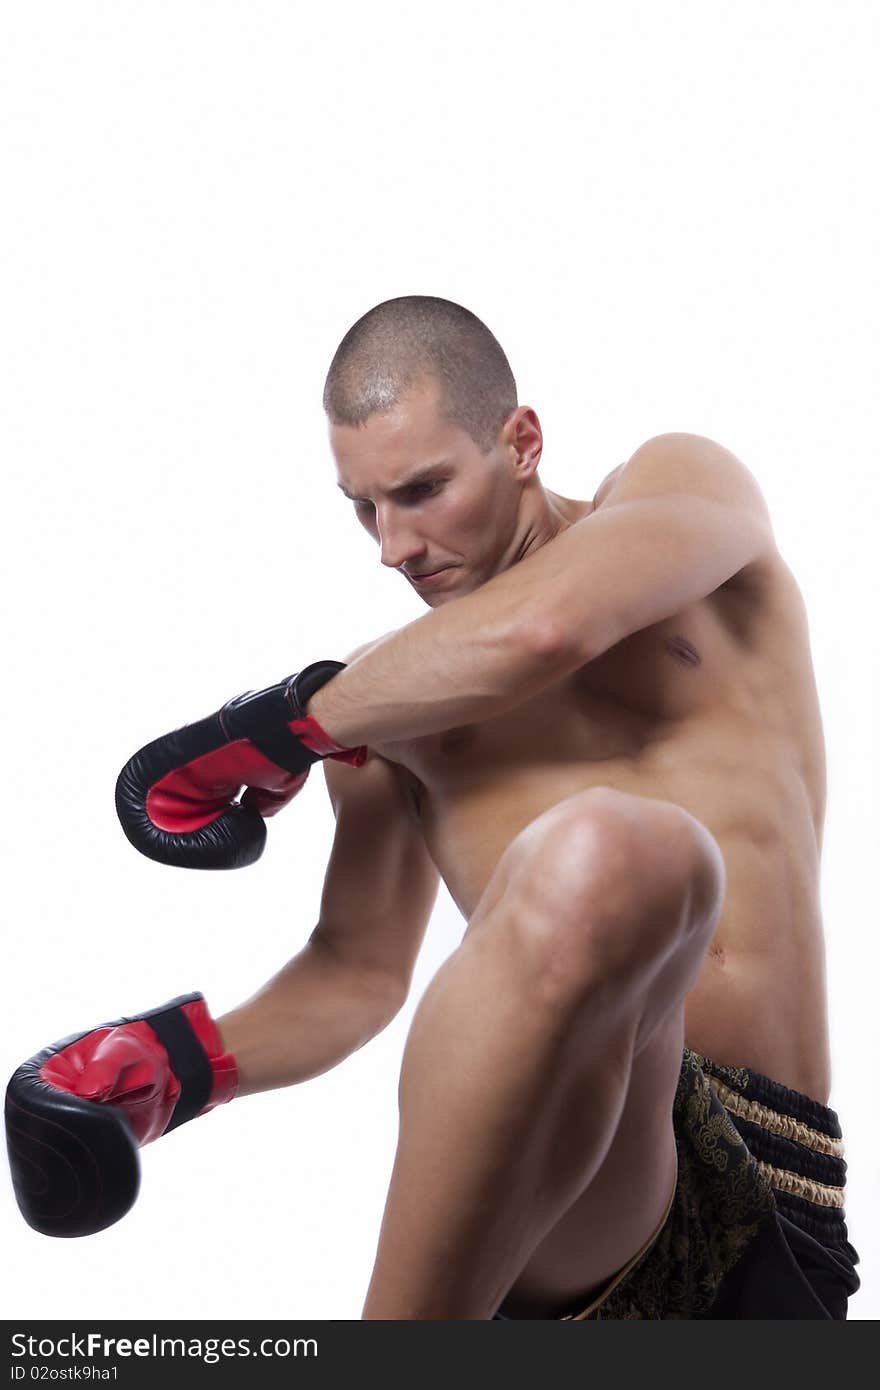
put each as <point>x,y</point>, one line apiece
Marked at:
<point>403,342</point>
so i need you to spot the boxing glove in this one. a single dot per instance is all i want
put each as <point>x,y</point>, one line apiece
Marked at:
<point>176,798</point>
<point>77,1112</point>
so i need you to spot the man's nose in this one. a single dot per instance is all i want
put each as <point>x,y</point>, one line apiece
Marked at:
<point>398,544</point>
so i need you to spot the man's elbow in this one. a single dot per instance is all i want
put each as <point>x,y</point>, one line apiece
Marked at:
<point>550,643</point>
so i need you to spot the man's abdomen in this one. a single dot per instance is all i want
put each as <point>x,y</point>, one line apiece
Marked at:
<point>760,998</point>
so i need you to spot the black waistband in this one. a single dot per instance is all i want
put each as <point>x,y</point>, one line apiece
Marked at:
<point>797,1139</point>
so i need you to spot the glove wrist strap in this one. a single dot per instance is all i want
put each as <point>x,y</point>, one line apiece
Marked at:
<point>300,689</point>
<point>305,683</point>
<point>190,1036</point>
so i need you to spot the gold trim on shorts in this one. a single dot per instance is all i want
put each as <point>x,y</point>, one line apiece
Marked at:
<point>775,1123</point>
<point>786,1181</point>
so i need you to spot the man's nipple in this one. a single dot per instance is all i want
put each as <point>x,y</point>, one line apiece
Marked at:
<point>684,650</point>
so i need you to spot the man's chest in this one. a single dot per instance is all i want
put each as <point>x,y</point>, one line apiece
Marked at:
<point>654,686</point>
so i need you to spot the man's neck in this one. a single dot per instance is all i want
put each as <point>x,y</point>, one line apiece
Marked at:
<point>551,515</point>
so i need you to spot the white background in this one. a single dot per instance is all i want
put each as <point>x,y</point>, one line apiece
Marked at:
<point>665,213</point>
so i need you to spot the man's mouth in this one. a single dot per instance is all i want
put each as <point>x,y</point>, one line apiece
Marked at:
<point>428,576</point>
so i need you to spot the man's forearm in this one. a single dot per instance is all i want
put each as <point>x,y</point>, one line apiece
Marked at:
<point>468,661</point>
<point>314,1013</point>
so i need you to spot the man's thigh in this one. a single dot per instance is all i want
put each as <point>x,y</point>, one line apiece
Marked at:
<point>626,1199</point>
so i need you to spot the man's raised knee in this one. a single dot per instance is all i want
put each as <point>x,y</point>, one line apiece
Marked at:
<point>607,880</point>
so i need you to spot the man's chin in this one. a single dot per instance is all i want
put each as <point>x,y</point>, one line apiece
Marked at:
<point>440,600</point>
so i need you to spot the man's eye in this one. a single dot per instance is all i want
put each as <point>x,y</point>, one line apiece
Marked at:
<point>415,492</point>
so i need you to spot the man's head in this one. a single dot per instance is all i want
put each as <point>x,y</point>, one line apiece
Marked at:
<point>430,443</point>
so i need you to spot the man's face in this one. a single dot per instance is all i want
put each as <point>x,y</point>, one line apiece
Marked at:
<point>426,493</point>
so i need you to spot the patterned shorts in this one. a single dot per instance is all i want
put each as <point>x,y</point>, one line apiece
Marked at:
<point>755,1225</point>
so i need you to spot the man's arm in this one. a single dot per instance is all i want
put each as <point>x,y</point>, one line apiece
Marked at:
<point>683,516</point>
<point>353,974</point>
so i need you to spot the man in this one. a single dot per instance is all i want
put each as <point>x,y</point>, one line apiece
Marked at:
<point>605,738</point>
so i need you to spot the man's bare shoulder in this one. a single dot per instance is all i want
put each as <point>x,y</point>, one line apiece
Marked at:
<point>606,485</point>
<point>574,509</point>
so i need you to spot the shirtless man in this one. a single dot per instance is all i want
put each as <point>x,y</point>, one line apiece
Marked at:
<point>605,738</point>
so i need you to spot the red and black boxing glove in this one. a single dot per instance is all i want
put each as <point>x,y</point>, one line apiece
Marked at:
<point>77,1112</point>
<point>176,798</point>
